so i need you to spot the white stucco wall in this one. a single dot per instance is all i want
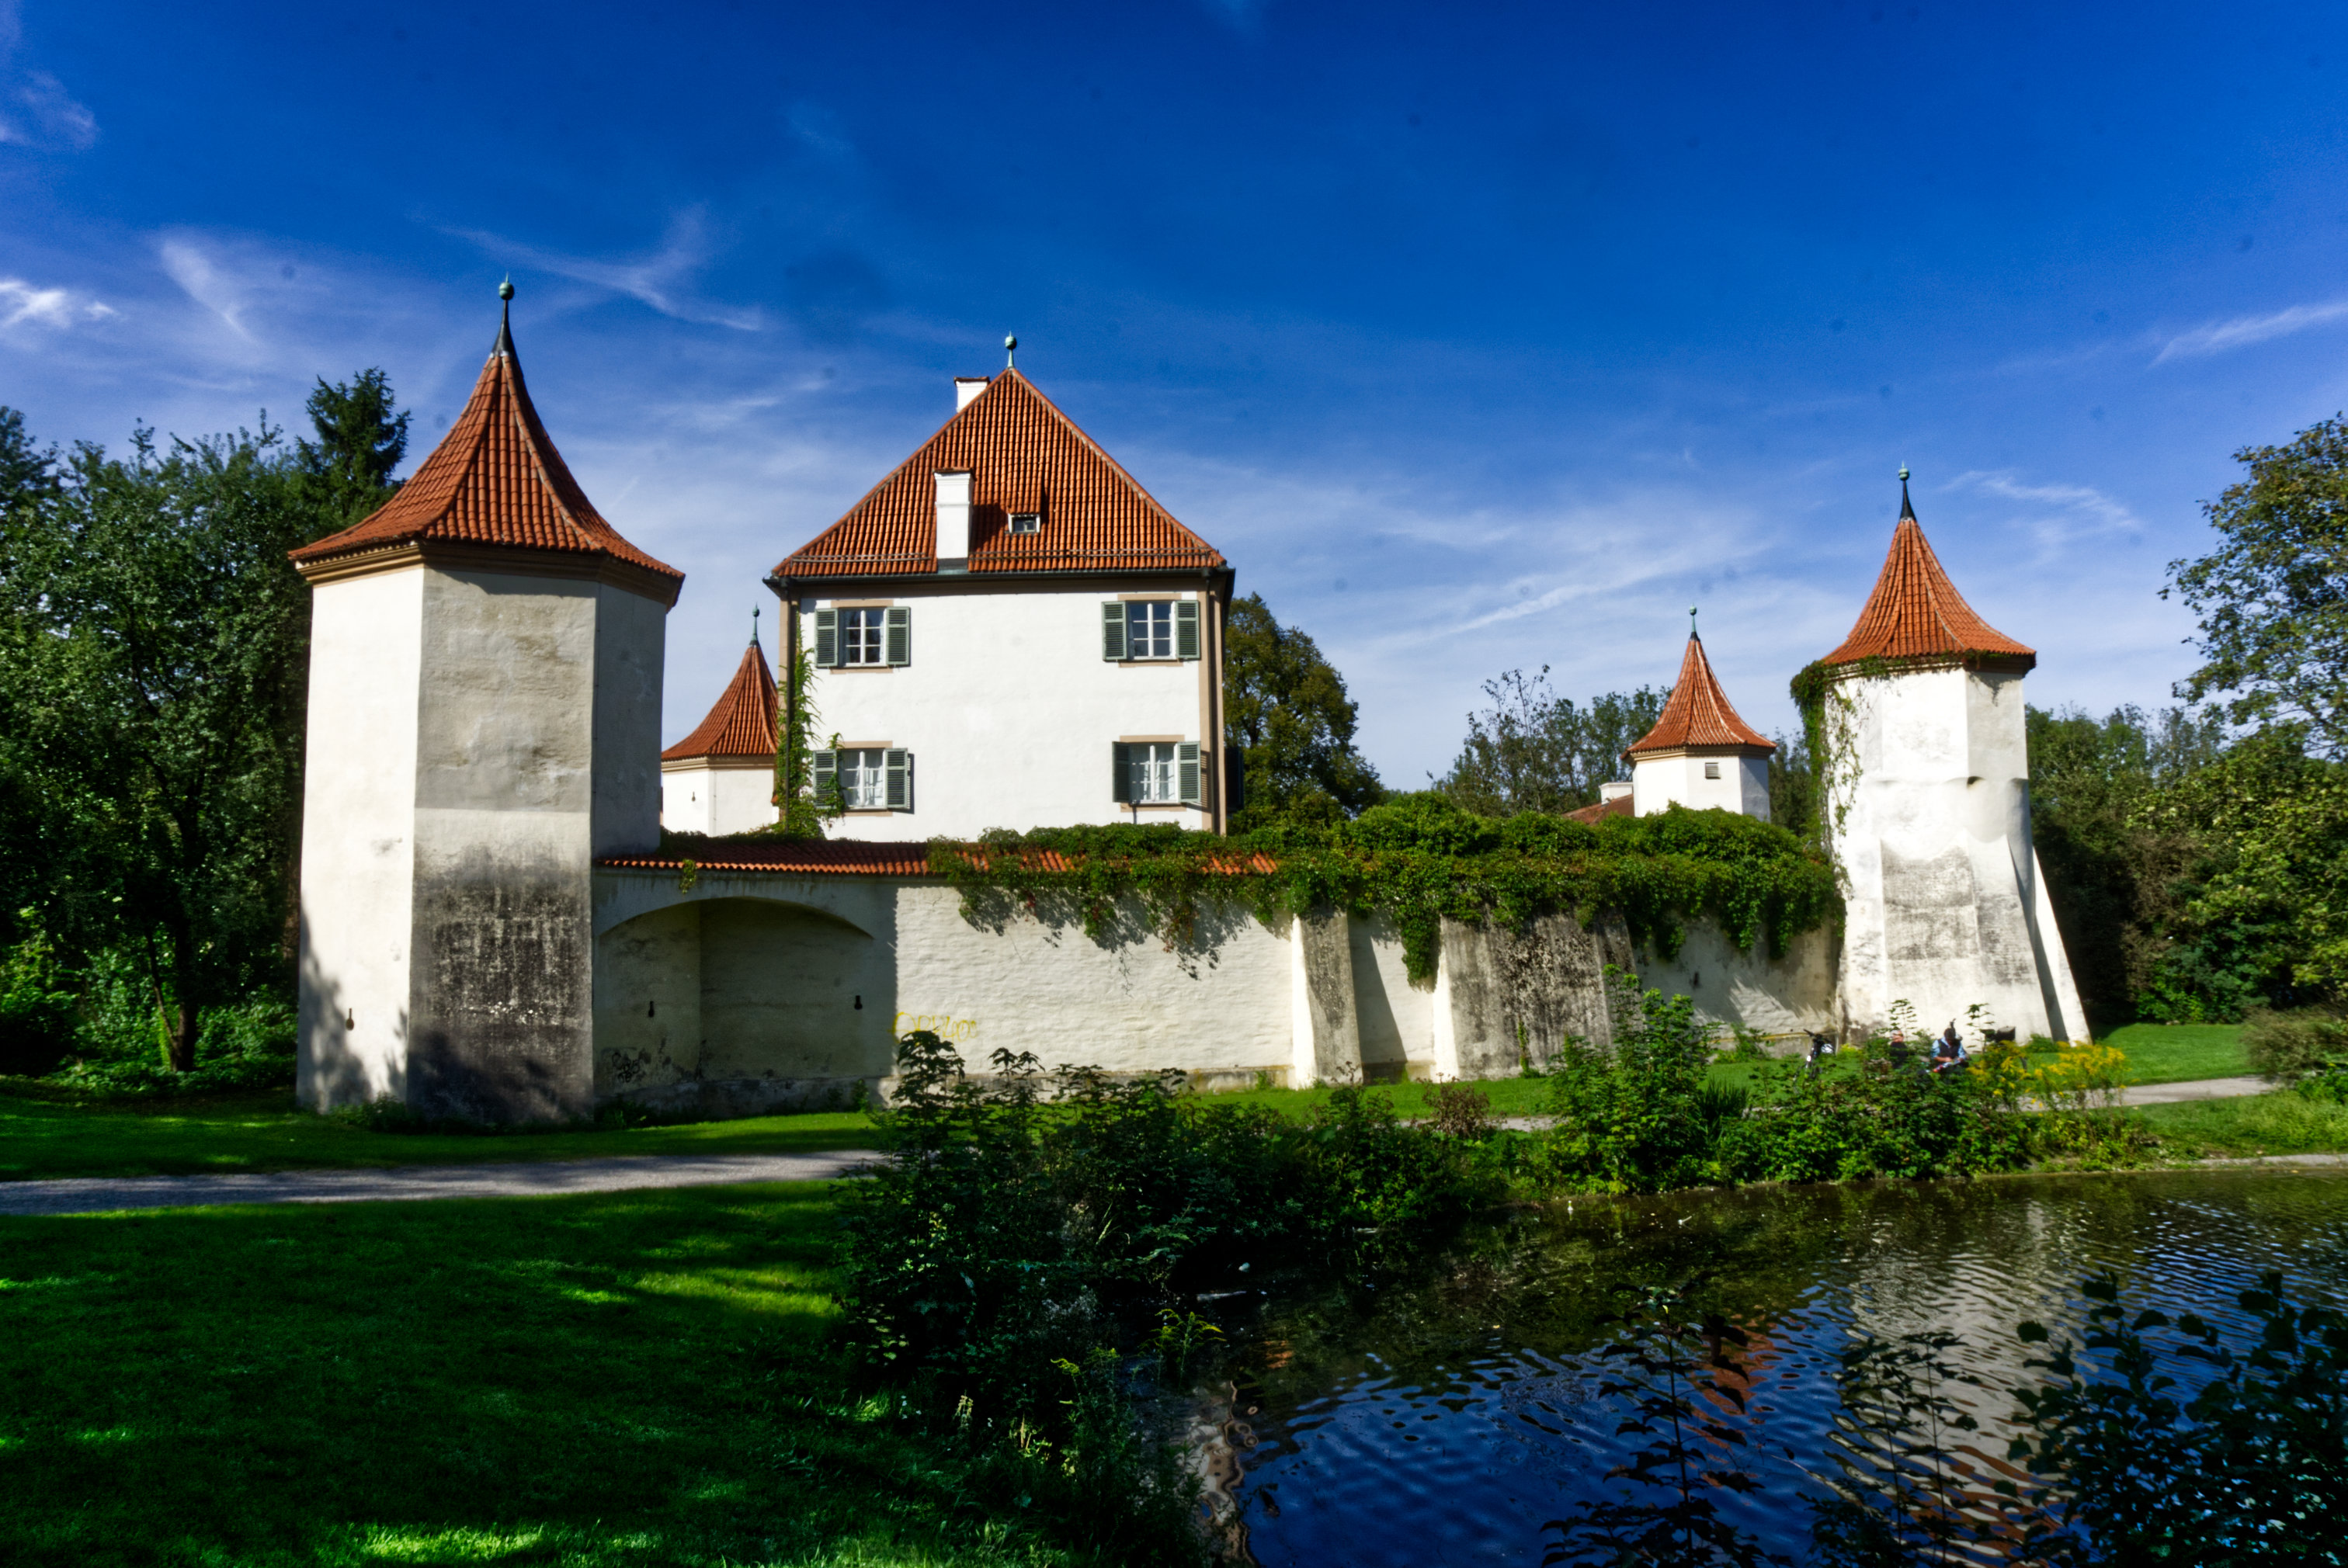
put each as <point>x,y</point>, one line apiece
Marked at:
<point>1929,813</point>
<point>1009,708</point>
<point>1657,782</point>
<point>631,653</point>
<point>358,845</point>
<point>706,796</point>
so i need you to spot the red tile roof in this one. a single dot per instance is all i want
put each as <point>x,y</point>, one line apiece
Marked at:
<point>819,857</point>
<point>1916,612</point>
<point>1620,806</point>
<point>495,479</point>
<point>857,858</point>
<point>741,725</point>
<point>1698,714</point>
<point>1025,456</point>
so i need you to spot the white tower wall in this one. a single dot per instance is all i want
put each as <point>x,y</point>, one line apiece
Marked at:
<point>521,742</point>
<point>717,795</point>
<point>1928,813</point>
<point>1678,778</point>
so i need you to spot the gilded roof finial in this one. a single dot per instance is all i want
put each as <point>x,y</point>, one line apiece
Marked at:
<point>1010,346</point>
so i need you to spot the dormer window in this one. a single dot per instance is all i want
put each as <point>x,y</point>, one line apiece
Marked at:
<point>1027,522</point>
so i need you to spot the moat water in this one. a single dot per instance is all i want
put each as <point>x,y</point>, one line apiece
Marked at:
<point>1444,1416</point>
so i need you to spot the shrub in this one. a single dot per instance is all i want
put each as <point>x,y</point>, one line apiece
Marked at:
<point>1635,1117</point>
<point>36,1021</point>
<point>2298,1046</point>
<point>1456,1110</point>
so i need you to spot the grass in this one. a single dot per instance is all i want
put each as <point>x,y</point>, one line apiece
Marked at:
<point>2250,1125</point>
<point>638,1377</point>
<point>2181,1052</point>
<point>261,1129</point>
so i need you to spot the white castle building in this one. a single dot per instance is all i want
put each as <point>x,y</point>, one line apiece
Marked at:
<point>1007,632</point>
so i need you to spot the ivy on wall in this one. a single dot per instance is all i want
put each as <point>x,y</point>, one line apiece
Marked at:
<point>1417,860</point>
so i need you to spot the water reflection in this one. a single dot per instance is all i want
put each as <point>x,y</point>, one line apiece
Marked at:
<point>1444,1417</point>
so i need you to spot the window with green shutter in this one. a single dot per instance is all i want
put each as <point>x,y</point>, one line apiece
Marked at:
<point>900,634</point>
<point>1120,763</point>
<point>827,777</point>
<point>898,768</point>
<point>1185,629</point>
<point>1113,633</point>
<point>827,639</point>
<point>1186,768</point>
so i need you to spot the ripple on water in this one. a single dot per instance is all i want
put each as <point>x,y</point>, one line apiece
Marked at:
<point>1445,1418</point>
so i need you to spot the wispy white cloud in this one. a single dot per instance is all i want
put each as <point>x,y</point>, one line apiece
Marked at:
<point>2243,331</point>
<point>22,301</point>
<point>2058,516</point>
<point>35,110</point>
<point>661,280</point>
<point>212,286</point>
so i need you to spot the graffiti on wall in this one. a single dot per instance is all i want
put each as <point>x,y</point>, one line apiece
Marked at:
<point>945,1026</point>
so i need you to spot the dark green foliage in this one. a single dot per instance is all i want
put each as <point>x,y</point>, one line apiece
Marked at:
<point>2272,598</point>
<point>362,434</point>
<point>1288,718</point>
<point>1535,751</point>
<point>36,1011</point>
<point>1634,1115</point>
<point>2300,1048</point>
<point>1013,1262</point>
<point>1794,787</point>
<point>2251,1469</point>
<point>2109,872</point>
<point>1417,859</point>
<point>153,667</point>
<point>1677,1373</point>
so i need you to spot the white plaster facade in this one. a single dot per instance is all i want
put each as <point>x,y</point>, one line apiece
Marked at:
<point>1009,710</point>
<point>1701,779</point>
<point>718,795</point>
<point>477,736</point>
<point>1928,796</point>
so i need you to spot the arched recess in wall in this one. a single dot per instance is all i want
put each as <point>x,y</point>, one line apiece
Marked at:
<point>744,989</point>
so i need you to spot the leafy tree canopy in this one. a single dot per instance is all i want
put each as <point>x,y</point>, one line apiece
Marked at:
<point>1287,717</point>
<point>2272,598</point>
<point>1533,750</point>
<point>362,433</point>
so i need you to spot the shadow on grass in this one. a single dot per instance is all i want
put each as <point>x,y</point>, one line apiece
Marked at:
<point>642,1378</point>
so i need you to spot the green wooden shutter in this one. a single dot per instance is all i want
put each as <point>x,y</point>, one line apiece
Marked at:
<point>827,639</point>
<point>1185,629</point>
<point>1186,772</point>
<point>1113,634</point>
<point>900,775</point>
<point>827,777</point>
<point>1120,775</point>
<point>900,634</point>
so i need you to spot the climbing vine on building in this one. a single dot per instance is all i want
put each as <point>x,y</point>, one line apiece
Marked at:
<point>1418,861</point>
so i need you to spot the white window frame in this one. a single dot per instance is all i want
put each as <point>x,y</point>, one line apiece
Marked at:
<point>1148,627</point>
<point>863,637</point>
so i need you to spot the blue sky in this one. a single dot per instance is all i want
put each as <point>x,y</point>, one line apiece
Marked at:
<point>1477,336</point>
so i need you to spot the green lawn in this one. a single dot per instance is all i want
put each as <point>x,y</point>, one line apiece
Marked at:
<point>2179,1053</point>
<point>262,1131</point>
<point>1509,1097</point>
<point>2251,1124</point>
<point>639,1378</point>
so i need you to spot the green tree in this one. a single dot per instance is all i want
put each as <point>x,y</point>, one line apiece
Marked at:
<point>1287,717</point>
<point>1794,787</point>
<point>2272,598</point>
<point>1533,750</point>
<point>362,434</point>
<point>153,678</point>
<point>2109,872</point>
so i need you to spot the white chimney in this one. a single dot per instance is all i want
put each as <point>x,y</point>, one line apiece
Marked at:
<point>954,519</point>
<point>965,388</point>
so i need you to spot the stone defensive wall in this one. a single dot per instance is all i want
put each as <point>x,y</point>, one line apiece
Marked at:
<point>779,976</point>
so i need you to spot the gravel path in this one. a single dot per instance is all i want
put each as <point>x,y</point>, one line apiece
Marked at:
<point>2197,1088</point>
<point>102,1195</point>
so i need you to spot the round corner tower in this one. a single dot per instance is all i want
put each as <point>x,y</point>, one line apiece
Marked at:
<point>1925,774</point>
<point>484,720</point>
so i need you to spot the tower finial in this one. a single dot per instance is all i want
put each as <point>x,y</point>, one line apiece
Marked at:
<point>1692,624</point>
<point>1010,347</point>
<point>1907,508</point>
<point>505,318</point>
<point>754,626</point>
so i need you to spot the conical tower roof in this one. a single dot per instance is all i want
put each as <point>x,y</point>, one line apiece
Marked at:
<point>495,483</point>
<point>1023,456</point>
<point>1916,612</point>
<point>1699,714</point>
<point>741,725</point>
